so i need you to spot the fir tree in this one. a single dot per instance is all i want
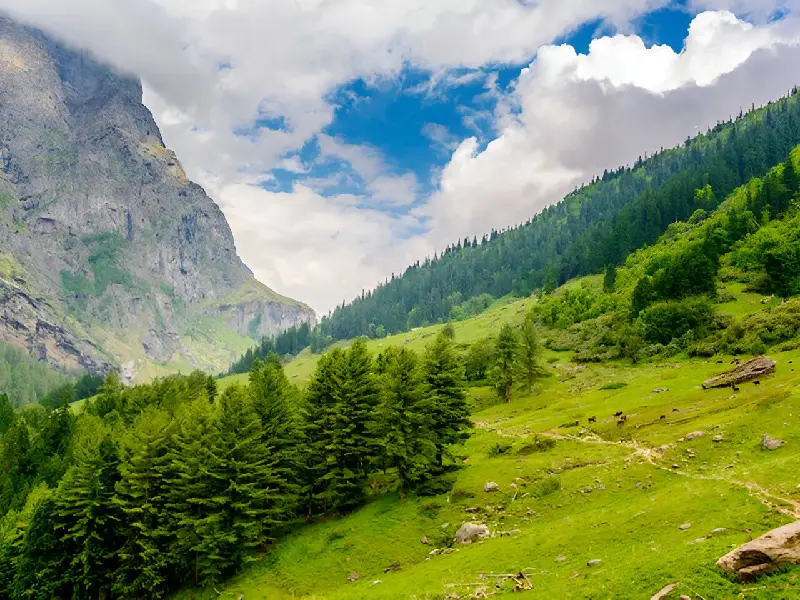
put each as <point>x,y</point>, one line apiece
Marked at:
<point>610,279</point>
<point>244,480</point>
<point>88,520</point>
<point>443,378</point>
<point>6,413</point>
<point>529,353</point>
<point>145,559</point>
<point>506,357</point>
<point>110,396</point>
<point>404,425</point>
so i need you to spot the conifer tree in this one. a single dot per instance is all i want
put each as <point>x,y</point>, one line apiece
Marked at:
<point>322,398</point>
<point>443,378</point>
<point>610,279</point>
<point>89,520</point>
<point>276,402</point>
<point>145,558</point>
<point>110,396</point>
<point>40,567</point>
<point>6,413</point>
<point>245,482</point>
<point>506,357</point>
<point>404,425</point>
<point>195,511</point>
<point>529,353</point>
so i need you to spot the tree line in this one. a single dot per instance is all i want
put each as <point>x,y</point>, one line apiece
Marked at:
<point>175,483</point>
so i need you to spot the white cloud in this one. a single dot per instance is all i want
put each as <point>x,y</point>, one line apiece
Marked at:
<point>568,118</point>
<point>576,115</point>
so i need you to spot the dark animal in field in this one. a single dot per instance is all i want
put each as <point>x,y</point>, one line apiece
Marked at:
<point>622,420</point>
<point>618,413</point>
<point>592,419</point>
<point>735,389</point>
<point>719,362</point>
<point>735,361</point>
<point>674,410</point>
<point>756,382</point>
<point>663,417</point>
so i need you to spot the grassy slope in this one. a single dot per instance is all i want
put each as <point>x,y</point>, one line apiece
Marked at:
<point>620,500</point>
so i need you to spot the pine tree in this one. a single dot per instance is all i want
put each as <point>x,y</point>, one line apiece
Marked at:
<point>244,479</point>
<point>610,279</point>
<point>276,402</point>
<point>195,511</point>
<point>6,413</point>
<point>110,396</point>
<point>41,565</point>
<point>790,178</point>
<point>443,378</point>
<point>89,520</point>
<point>145,559</point>
<point>529,353</point>
<point>506,357</point>
<point>404,425</point>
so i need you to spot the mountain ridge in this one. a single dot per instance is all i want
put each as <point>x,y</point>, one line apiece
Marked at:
<point>101,225</point>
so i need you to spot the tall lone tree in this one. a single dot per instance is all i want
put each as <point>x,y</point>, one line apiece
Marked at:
<point>443,378</point>
<point>528,362</point>
<point>506,361</point>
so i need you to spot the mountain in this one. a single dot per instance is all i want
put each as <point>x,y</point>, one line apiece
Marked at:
<point>109,255</point>
<point>596,225</point>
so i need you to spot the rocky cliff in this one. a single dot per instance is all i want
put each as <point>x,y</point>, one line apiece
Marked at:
<point>108,253</point>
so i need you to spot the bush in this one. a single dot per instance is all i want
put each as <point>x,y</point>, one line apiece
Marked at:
<point>498,448</point>
<point>545,487</point>
<point>539,444</point>
<point>438,485</point>
<point>614,386</point>
<point>666,321</point>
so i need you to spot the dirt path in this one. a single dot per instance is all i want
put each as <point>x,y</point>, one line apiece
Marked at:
<point>654,455</point>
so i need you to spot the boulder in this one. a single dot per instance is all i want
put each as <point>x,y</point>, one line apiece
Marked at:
<point>685,526</point>
<point>752,369</point>
<point>770,443</point>
<point>694,435</point>
<point>771,551</point>
<point>354,576</point>
<point>490,486</point>
<point>594,562</point>
<point>470,532</point>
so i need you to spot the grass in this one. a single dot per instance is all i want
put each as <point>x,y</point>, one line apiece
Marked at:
<point>570,493</point>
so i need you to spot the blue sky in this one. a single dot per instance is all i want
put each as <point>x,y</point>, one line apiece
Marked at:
<point>346,139</point>
<point>396,116</point>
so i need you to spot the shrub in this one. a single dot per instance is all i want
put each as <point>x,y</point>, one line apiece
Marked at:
<point>498,448</point>
<point>665,321</point>
<point>539,444</point>
<point>614,386</point>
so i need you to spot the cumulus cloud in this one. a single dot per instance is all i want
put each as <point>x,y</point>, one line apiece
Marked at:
<point>214,67</point>
<point>575,115</point>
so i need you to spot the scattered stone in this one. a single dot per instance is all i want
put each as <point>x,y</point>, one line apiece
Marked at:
<point>676,466</point>
<point>561,558</point>
<point>685,526</point>
<point>684,597</point>
<point>425,540</point>
<point>770,443</point>
<point>376,582</point>
<point>445,525</point>
<point>594,562</point>
<point>470,532</point>
<point>665,592</point>
<point>717,438</point>
<point>472,509</point>
<point>490,486</point>
<point>515,532</point>
<point>750,370</point>
<point>718,531</point>
<point>698,541</point>
<point>694,435</point>
<point>660,390</point>
<point>354,576</point>
<point>392,568</point>
<point>771,551</point>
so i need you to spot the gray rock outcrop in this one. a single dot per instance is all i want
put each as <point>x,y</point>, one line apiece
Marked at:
<point>771,551</point>
<point>752,369</point>
<point>100,226</point>
<point>471,532</point>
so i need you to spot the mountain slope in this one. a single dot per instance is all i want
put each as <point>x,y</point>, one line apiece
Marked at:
<point>109,253</point>
<point>596,225</point>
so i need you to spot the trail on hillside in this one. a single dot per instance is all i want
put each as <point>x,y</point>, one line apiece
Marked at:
<point>654,455</point>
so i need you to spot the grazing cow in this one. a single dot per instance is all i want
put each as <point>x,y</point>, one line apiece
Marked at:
<point>592,419</point>
<point>622,420</point>
<point>756,382</point>
<point>663,417</point>
<point>735,389</point>
<point>618,413</point>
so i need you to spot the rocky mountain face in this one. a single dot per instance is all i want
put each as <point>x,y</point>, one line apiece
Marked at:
<point>109,255</point>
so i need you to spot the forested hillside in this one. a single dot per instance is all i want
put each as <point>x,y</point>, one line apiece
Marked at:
<point>594,226</point>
